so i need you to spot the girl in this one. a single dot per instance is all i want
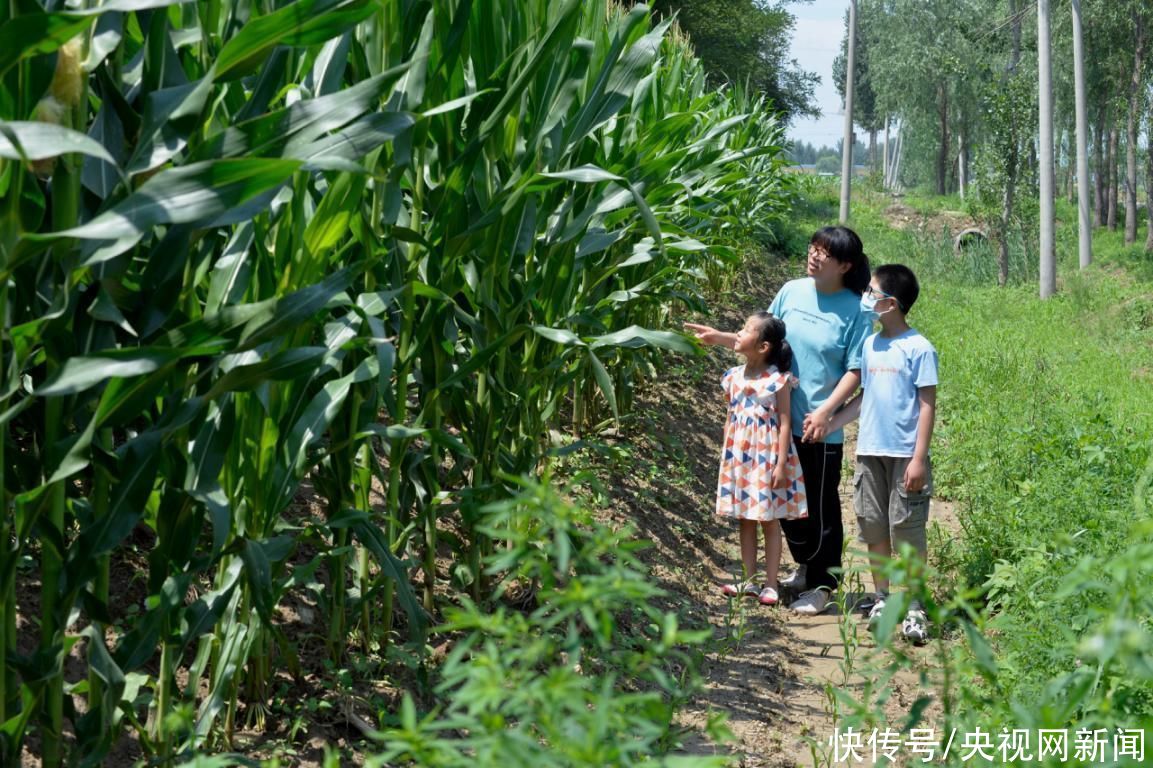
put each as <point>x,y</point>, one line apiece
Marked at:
<point>760,478</point>
<point>827,332</point>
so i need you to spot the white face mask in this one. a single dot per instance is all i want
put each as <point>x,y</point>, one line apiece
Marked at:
<point>869,306</point>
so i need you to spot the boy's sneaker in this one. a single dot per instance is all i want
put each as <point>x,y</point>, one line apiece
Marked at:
<point>915,627</point>
<point>877,609</point>
<point>796,580</point>
<point>769,596</point>
<point>741,589</point>
<point>811,603</point>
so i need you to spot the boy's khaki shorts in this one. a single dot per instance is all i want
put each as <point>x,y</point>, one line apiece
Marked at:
<point>886,512</point>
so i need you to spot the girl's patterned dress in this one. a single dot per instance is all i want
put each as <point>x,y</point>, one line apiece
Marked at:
<point>751,451</point>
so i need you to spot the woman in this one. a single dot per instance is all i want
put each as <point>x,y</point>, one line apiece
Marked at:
<point>826,329</point>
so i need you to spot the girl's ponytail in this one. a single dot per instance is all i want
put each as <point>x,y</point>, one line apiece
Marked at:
<point>773,332</point>
<point>782,357</point>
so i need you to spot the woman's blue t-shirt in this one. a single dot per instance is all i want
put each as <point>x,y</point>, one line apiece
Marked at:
<point>827,332</point>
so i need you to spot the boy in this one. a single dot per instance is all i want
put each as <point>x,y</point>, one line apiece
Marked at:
<point>897,407</point>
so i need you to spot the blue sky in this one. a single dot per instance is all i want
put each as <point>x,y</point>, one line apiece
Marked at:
<point>816,42</point>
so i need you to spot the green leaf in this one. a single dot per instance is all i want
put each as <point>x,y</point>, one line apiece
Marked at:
<point>284,366</point>
<point>78,374</point>
<point>369,534</point>
<point>306,22</point>
<point>136,475</point>
<point>288,132</point>
<point>559,335</point>
<point>234,650</point>
<point>14,728</point>
<point>186,195</point>
<point>291,311</point>
<point>483,357</point>
<point>171,116</point>
<point>258,572</point>
<point>586,174</point>
<point>100,661</point>
<point>37,34</point>
<point>982,651</point>
<point>202,616</point>
<point>554,43</point>
<point>635,337</point>
<point>38,141</point>
<point>605,383</point>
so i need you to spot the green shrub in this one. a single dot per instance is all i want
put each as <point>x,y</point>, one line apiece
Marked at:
<point>589,673</point>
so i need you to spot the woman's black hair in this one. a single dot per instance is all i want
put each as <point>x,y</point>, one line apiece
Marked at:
<point>773,332</point>
<point>843,244</point>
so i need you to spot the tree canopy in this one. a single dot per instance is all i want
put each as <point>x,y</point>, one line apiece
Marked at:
<point>747,42</point>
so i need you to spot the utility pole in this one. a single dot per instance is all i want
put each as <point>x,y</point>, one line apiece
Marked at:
<point>847,144</point>
<point>1045,161</point>
<point>1085,233</point>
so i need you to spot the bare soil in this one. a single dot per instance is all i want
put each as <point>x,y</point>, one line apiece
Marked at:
<point>902,216</point>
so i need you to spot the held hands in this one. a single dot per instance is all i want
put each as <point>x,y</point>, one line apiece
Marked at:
<point>915,475</point>
<point>816,426</point>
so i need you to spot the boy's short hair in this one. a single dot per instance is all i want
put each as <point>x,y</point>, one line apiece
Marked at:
<point>898,281</point>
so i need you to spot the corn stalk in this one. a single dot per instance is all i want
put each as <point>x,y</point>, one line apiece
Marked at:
<point>326,241</point>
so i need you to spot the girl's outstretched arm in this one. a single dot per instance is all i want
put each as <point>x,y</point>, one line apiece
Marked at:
<point>779,477</point>
<point>706,334</point>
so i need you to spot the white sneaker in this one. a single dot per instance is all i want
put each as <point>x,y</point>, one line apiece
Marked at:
<point>876,611</point>
<point>915,628</point>
<point>811,603</point>
<point>796,580</point>
<point>769,596</point>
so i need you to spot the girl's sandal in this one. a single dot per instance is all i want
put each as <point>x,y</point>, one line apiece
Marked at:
<point>741,589</point>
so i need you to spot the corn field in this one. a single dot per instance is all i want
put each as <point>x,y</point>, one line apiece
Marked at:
<point>291,292</point>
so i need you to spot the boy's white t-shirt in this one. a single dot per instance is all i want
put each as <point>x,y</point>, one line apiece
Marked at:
<point>892,370</point>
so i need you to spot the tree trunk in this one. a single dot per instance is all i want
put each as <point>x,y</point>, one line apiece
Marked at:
<point>1070,154</point>
<point>898,156</point>
<point>1100,163</point>
<point>1131,130</point>
<point>1015,30</point>
<point>873,149</point>
<point>961,164</point>
<point>885,157</point>
<point>1149,191</point>
<point>1111,159</point>
<point>1006,218</point>
<point>1012,163</point>
<point>1047,241</point>
<point>1081,151</point>
<point>943,146</point>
